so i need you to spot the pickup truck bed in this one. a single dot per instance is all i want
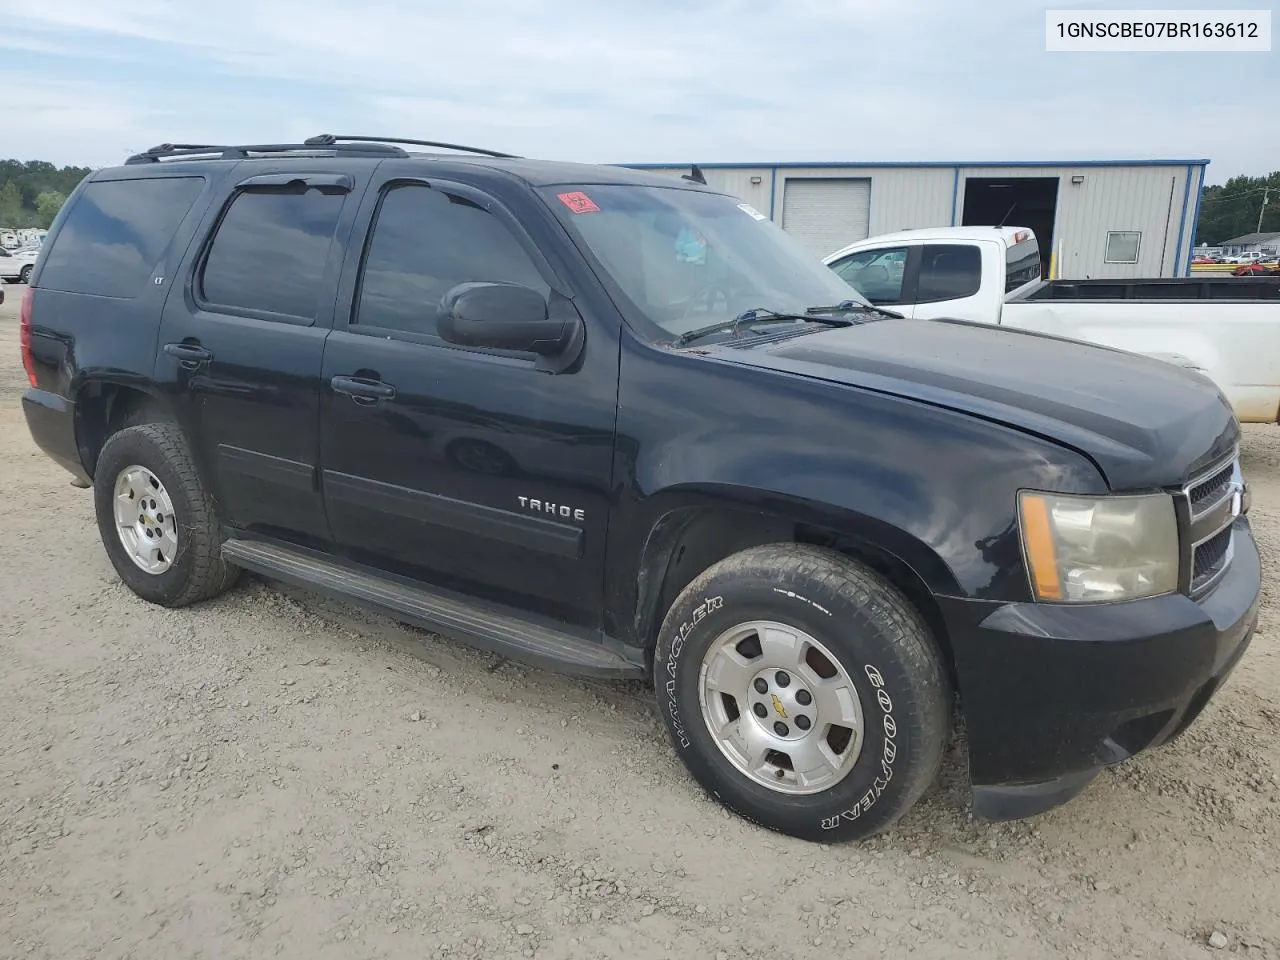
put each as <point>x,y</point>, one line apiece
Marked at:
<point>1159,289</point>
<point>1237,347</point>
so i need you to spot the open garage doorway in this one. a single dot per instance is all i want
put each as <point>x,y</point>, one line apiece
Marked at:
<point>1015,202</point>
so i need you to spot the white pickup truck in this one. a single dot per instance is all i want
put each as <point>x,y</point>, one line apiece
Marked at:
<point>1227,328</point>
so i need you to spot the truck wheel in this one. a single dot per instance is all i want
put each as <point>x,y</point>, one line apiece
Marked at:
<point>803,691</point>
<point>158,525</point>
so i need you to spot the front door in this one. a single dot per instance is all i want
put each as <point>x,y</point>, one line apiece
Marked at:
<point>242,338</point>
<point>465,468</point>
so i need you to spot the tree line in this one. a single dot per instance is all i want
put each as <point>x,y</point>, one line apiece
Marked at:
<point>1231,209</point>
<point>33,191</point>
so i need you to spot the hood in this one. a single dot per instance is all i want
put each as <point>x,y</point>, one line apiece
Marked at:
<point>1144,422</point>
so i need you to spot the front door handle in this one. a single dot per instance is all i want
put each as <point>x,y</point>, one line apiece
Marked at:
<point>190,355</point>
<point>362,390</point>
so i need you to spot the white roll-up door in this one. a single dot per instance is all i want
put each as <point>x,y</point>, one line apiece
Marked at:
<point>825,215</point>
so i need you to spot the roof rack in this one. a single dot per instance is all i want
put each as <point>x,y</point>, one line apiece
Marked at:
<point>330,139</point>
<point>244,151</point>
<point>324,144</point>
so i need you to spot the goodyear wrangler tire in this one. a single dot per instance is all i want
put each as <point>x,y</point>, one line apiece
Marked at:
<point>804,692</point>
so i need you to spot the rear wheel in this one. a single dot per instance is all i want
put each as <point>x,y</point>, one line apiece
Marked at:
<point>159,527</point>
<point>804,692</point>
<point>24,274</point>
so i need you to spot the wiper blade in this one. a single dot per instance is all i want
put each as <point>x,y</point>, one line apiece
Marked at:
<point>853,306</point>
<point>759,314</point>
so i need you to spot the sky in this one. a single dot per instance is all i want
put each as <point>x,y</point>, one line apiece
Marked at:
<point>87,82</point>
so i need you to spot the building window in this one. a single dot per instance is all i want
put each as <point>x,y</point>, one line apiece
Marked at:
<point>1122,246</point>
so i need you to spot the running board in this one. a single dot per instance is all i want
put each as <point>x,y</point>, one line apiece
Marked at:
<point>498,632</point>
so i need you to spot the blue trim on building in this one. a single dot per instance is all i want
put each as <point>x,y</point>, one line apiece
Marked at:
<point>955,194</point>
<point>773,190</point>
<point>1182,221</point>
<point>926,163</point>
<point>1195,216</point>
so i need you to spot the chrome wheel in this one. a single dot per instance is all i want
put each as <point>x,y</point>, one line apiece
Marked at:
<point>781,707</point>
<point>144,519</point>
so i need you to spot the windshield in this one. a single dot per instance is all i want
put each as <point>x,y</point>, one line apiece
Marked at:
<point>687,259</point>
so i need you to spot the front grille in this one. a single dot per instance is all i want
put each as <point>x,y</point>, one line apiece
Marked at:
<point>1213,503</point>
<point>1209,556</point>
<point>1205,491</point>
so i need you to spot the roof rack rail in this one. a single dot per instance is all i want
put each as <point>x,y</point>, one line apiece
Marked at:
<point>244,151</point>
<point>330,139</point>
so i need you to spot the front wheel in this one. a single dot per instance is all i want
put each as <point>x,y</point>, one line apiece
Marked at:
<point>804,692</point>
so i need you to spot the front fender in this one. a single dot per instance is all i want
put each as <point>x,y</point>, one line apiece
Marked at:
<point>933,488</point>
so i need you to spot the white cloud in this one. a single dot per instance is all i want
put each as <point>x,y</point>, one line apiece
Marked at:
<point>592,80</point>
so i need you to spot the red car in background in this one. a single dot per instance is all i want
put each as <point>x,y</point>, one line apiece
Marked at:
<point>1271,269</point>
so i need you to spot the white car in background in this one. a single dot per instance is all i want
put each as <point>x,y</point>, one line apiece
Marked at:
<point>16,265</point>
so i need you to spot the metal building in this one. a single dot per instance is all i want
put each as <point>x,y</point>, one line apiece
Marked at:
<point>1103,218</point>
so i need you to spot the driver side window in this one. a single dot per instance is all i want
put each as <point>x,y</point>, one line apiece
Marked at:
<point>876,274</point>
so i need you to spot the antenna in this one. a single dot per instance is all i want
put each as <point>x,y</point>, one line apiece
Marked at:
<point>695,176</point>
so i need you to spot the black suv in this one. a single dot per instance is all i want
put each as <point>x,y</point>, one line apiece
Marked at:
<point>620,424</point>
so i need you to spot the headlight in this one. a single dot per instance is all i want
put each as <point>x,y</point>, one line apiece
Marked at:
<point>1091,549</point>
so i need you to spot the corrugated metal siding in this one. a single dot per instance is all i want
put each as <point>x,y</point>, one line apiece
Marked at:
<point>826,214</point>
<point>901,198</point>
<point>1110,198</point>
<point>1146,199</point>
<point>734,181</point>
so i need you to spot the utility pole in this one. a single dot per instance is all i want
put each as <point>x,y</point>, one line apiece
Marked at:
<point>1266,195</point>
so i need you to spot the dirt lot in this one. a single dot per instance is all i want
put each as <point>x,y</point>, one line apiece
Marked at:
<point>275,775</point>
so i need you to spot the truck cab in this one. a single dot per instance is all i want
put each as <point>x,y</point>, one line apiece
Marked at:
<point>928,273</point>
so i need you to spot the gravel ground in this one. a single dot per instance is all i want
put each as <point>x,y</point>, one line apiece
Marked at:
<point>270,774</point>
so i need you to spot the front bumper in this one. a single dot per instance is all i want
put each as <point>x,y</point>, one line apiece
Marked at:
<point>1052,693</point>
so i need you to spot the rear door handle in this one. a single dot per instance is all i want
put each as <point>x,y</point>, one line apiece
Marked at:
<point>362,390</point>
<point>191,355</point>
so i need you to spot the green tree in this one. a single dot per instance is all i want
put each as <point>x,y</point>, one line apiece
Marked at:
<point>11,214</point>
<point>1231,210</point>
<point>47,206</point>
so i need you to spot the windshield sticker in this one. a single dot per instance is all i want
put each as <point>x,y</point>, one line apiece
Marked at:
<point>579,202</point>
<point>691,247</point>
<point>752,211</point>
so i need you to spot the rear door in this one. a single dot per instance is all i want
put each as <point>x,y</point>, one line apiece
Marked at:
<point>469,469</point>
<point>242,339</point>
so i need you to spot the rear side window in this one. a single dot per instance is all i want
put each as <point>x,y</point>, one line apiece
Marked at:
<point>269,252</point>
<point>115,234</point>
<point>425,242</point>
<point>949,271</point>
<point>1023,265</point>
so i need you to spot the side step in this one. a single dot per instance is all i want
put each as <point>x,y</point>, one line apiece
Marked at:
<point>489,629</point>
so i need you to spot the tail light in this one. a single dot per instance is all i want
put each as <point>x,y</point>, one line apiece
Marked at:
<point>24,335</point>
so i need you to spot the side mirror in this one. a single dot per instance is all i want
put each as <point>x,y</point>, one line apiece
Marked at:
<point>508,316</point>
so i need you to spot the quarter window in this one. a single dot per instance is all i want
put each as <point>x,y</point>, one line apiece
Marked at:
<point>425,242</point>
<point>270,250</point>
<point>876,274</point>
<point>116,233</point>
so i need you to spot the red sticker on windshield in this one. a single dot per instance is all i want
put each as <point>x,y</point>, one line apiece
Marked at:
<point>579,202</point>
